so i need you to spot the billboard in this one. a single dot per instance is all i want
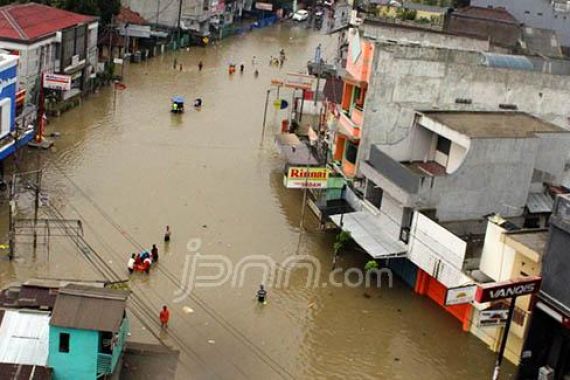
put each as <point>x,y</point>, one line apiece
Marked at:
<point>495,317</point>
<point>508,289</point>
<point>57,82</point>
<point>299,177</point>
<point>264,6</point>
<point>460,295</point>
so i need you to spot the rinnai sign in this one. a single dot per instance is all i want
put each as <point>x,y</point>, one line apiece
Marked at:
<point>508,289</point>
<point>57,82</point>
<point>299,177</point>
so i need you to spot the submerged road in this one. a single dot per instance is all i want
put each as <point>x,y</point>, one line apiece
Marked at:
<point>127,167</point>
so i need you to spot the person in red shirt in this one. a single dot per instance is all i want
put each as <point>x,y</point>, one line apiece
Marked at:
<point>164,317</point>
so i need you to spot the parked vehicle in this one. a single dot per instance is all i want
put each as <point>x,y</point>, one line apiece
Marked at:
<point>301,15</point>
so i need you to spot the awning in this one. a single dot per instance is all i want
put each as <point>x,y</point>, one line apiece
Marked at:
<point>369,231</point>
<point>294,151</point>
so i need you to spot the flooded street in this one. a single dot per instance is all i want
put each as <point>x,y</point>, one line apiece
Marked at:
<point>127,167</point>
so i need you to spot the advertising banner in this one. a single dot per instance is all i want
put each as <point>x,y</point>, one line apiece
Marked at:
<point>299,177</point>
<point>57,82</point>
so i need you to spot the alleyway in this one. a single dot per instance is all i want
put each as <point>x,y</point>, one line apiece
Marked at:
<point>127,167</point>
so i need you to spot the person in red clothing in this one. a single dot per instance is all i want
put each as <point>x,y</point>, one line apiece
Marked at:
<point>164,317</point>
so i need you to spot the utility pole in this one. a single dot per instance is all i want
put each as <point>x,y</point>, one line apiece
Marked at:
<point>11,212</point>
<point>265,115</point>
<point>157,12</point>
<point>37,203</point>
<point>125,49</point>
<point>179,26</point>
<point>319,68</point>
<point>501,353</point>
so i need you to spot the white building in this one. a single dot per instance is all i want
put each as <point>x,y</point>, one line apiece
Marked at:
<point>50,40</point>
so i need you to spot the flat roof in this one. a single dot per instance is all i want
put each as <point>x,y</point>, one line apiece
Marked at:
<point>494,124</point>
<point>531,240</point>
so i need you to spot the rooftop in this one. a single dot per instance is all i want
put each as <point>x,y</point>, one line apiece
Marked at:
<point>423,7</point>
<point>31,22</point>
<point>87,308</point>
<point>493,124</point>
<point>24,372</point>
<point>497,14</point>
<point>24,337</point>
<point>524,241</point>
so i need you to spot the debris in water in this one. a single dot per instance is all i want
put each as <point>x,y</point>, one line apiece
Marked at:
<point>211,341</point>
<point>187,309</point>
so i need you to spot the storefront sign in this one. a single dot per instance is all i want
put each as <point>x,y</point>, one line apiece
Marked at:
<point>57,82</point>
<point>299,177</point>
<point>493,317</point>
<point>508,289</point>
<point>460,295</point>
<point>264,6</point>
<point>280,104</point>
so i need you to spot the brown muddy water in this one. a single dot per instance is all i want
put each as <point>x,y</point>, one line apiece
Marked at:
<point>127,167</point>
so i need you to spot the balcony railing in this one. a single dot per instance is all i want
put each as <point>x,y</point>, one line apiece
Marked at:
<point>348,125</point>
<point>394,171</point>
<point>104,364</point>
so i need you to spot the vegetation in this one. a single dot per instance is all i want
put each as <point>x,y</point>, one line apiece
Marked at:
<point>341,239</point>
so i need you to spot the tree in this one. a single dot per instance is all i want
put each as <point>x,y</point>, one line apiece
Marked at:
<point>461,3</point>
<point>341,239</point>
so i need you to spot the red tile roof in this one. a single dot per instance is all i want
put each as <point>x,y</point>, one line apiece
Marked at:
<point>126,15</point>
<point>491,14</point>
<point>30,22</point>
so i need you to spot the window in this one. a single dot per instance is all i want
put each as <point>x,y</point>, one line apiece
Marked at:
<point>373,194</point>
<point>443,145</point>
<point>540,14</point>
<point>351,152</point>
<point>63,342</point>
<point>5,116</point>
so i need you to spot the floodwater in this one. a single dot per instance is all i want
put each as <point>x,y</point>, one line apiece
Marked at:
<point>127,167</point>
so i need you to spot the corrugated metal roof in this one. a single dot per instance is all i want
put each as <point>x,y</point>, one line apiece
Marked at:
<point>87,308</point>
<point>370,233</point>
<point>506,61</point>
<point>539,203</point>
<point>24,372</point>
<point>24,337</point>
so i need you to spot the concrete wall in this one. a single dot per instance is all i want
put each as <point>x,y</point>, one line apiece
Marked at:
<point>81,360</point>
<point>163,12</point>
<point>379,32</point>
<point>494,177</point>
<point>504,34</point>
<point>497,258</point>
<point>456,156</point>
<point>534,13</point>
<point>408,78</point>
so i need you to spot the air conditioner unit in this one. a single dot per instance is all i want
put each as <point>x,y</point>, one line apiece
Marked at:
<point>545,373</point>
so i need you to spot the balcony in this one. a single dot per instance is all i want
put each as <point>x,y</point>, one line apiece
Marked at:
<point>392,172</point>
<point>350,125</point>
<point>104,364</point>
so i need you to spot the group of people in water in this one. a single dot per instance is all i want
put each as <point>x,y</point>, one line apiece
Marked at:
<point>143,261</point>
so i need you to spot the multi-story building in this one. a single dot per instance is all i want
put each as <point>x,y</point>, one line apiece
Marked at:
<point>50,40</point>
<point>546,352</point>
<point>509,253</point>
<point>542,14</point>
